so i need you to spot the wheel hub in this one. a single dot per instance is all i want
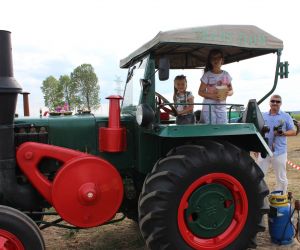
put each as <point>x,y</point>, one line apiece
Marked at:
<point>87,191</point>
<point>210,210</point>
<point>9,241</point>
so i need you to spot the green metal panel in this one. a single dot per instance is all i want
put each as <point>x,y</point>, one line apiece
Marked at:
<point>148,150</point>
<point>80,132</point>
<point>202,201</point>
<point>204,130</point>
<point>41,122</point>
<point>154,144</point>
<point>126,159</point>
<point>76,132</point>
<point>148,95</point>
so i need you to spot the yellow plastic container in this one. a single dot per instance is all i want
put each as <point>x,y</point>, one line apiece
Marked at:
<point>280,220</point>
<point>278,199</point>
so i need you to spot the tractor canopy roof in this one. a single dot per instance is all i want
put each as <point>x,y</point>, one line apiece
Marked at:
<point>188,48</point>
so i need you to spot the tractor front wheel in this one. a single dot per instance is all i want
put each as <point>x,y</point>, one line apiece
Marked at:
<point>18,231</point>
<point>207,196</point>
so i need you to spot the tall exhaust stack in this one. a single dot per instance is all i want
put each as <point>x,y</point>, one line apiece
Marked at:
<point>9,90</point>
<point>21,196</point>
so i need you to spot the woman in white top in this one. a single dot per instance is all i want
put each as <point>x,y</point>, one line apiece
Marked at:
<point>214,88</point>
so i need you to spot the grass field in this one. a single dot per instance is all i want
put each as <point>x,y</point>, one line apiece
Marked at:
<point>296,116</point>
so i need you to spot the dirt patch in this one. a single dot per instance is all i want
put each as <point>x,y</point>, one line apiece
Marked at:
<point>123,235</point>
<point>126,235</point>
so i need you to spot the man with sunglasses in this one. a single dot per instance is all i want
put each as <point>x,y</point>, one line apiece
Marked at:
<point>281,125</point>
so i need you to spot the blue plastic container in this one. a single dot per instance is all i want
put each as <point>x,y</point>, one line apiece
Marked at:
<point>280,222</point>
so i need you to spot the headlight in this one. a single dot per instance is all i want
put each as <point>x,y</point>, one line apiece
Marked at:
<point>144,115</point>
<point>139,114</point>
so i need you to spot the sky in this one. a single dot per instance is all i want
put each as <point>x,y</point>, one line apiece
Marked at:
<point>54,37</point>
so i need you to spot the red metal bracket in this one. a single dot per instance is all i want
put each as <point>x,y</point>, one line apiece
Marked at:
<point>86,191</point>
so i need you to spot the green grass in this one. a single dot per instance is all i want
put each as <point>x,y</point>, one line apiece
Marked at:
<point>296,116</point>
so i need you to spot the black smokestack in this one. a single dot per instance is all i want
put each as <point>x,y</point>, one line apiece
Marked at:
<point>13,194</point>
<point>6,65</point>
<point>9,90</point>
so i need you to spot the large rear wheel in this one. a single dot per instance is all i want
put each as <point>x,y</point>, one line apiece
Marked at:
<point>18,231</point>
<point>209,196</point>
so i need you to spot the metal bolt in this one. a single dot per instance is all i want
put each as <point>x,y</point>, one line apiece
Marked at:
<point>90,195</point>
<point>28,155</point>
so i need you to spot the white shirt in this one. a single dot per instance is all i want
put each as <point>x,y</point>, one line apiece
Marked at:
<point>212,80</point>
<point>182,98</point>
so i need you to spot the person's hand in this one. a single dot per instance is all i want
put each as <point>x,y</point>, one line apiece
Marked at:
<point>212,94</point>
<point>276,133</point>
<point>179,112</point>
<point>256,154</point>
<point>184,110</point>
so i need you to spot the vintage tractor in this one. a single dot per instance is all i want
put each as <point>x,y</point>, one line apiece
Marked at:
<point>188,186</point>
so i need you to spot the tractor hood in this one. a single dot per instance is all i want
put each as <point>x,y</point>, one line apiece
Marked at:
<point>188,48</point>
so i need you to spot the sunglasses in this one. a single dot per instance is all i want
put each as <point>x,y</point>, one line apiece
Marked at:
<point>275,101</point>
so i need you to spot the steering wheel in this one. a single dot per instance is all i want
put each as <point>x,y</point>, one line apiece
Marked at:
<point>162,100</point>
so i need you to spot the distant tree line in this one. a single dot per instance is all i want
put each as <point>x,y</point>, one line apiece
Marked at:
<point>79,90</point>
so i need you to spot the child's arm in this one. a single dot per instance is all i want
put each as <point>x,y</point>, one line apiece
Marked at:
<point>203,92</point>
<point>189,108</point>
<point>229,85</point>
<point>230,90</point>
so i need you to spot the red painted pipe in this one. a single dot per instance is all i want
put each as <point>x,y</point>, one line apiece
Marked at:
<point>113,138</point>
<point>26,103</point>
<point>114,111</point>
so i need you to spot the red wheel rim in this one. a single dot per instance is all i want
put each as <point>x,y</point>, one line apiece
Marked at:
<point>9,241</point>
<point>237,223</point>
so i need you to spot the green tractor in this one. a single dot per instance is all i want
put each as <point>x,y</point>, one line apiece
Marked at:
<point>188,186</point>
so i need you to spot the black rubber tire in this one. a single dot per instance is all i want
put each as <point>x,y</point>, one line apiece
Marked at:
<point>20,225</point>
<point>170,178</point>
<point>37,217</point>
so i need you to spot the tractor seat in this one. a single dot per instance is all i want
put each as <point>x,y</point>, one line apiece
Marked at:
<point>253,115</point>
<point>198,117</point>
